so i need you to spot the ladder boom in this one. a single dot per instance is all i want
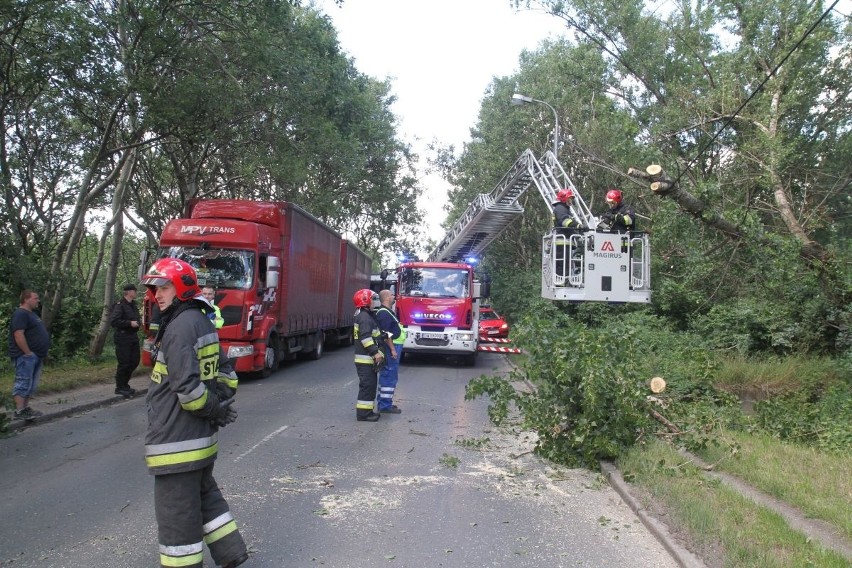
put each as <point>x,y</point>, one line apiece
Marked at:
<point>489,214</point>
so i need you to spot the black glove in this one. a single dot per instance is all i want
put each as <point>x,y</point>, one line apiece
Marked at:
<point>378,363</point>
<point>223,391</point>
<point>223,414</point>
<point>229,417</point>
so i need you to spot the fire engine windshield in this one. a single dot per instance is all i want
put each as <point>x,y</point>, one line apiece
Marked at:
<point>220,268</point>
<point>435,282</point>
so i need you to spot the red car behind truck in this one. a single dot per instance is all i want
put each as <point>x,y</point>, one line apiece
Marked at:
<point>284,280</point>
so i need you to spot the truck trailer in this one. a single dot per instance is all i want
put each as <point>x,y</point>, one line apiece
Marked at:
<point>284,280</point>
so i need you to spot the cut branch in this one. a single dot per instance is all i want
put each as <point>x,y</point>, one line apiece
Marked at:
<point>664,186</point>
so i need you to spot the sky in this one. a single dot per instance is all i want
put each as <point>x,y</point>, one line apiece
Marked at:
<point>440,56</point>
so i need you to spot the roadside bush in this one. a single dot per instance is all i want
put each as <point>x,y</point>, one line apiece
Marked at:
<point>807,416</point>
<point>5,404</point>
<point>746,326</point>
<point>589,398</point>
<point>73,326</point>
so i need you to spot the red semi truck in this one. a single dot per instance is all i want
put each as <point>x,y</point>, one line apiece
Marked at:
<point>284,280</point>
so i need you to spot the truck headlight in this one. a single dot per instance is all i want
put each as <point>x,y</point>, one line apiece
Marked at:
<point>235,351</point>
<point>464,336</point>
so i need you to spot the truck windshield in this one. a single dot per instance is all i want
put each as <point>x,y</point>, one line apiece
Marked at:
<point>220,268</point>
<point>435,282</point>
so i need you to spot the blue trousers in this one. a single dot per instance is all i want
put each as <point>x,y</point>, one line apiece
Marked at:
<point>388,377</point>
<point>27,374</point>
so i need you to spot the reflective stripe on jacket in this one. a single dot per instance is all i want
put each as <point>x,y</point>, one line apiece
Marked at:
<point>367,334</point>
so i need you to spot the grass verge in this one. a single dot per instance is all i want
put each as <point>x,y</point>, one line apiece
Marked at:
<point>720,525</point>
<point>68,375</point>
<point>764,378</point>
<point>817,483</point>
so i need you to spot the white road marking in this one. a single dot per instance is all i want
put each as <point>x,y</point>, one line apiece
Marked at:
<point>257,445</point>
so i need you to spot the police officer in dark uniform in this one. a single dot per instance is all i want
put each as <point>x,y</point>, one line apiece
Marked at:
<point>124,318</point>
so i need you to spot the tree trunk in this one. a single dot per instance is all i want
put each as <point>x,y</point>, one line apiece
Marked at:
<point>96,345</point>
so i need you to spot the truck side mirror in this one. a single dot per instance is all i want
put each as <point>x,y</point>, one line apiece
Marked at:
<point>272,271</point>
<point>143,264</point>
<point>272,278</point>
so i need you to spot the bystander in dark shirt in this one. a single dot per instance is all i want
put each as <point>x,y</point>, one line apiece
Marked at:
<point>34,332</point>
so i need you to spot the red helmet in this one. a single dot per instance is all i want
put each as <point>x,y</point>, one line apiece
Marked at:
<point>563,195</point>
<point>614,195</point>
<point>178,272</point>
<point>364,298</point>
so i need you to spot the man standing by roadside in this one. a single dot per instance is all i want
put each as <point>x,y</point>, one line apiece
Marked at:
<point>125,319</point>
<point>28,346</point>
<point>394,336</point>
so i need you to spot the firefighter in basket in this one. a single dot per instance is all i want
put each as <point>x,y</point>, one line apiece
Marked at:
<point>562,216</point>
<point>565,224</point>
<point>620,216</point>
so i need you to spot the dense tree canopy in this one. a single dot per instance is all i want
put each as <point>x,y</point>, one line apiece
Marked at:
<point>746,106</point>
<point>124,109</point>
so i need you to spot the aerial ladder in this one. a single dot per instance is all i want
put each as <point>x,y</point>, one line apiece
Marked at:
<point>594,264</point>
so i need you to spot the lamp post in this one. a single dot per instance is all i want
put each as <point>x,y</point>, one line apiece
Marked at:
<point>524,100</point>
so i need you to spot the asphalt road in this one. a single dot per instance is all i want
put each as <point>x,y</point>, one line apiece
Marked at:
<point>309,486</point>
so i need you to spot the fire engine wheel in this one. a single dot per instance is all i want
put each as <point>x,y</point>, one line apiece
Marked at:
<point>272,356</point>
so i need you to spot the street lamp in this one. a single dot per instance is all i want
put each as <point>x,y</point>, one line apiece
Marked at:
<point>524,100</point>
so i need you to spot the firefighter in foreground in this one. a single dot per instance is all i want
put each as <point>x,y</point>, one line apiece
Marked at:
<point>192,386</point>
<point>368,354</point>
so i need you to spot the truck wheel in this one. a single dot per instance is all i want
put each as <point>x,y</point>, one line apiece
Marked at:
<point>272,356</point>
<point>346,340</point>
<point>319,346</point>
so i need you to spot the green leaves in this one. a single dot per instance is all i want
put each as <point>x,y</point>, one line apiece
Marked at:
<point>588,404</point>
